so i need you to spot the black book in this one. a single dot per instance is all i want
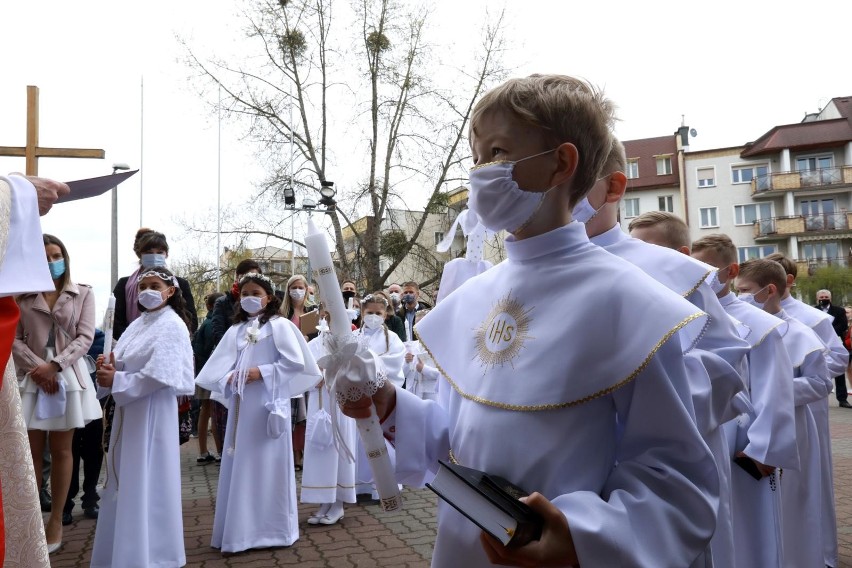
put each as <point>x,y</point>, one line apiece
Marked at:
<point>489,501</point>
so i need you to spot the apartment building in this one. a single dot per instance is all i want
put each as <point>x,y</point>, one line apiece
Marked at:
<point>790,190</point>
<point>653,177</point>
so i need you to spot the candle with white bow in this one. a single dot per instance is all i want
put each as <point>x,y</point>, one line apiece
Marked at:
<point>352,371</point>
<point>109,323</point>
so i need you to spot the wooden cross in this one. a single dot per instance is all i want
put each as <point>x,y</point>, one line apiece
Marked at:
<point>32,152</point>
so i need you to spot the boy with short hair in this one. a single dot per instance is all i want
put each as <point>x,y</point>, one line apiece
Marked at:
<point>763,283</point>
<point>766,436</point>
<point>715,355</point>
<point>836,359</point>
<point>525,355</point>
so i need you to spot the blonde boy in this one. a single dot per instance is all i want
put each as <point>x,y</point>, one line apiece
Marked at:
<point>530,390</point>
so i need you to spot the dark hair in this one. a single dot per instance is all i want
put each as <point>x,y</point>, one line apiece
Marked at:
<point>66,277</point>
<point>246,266</point>
<point>138,239</point>
<point>176,301</point>
<point>152,240</point>
<point>210,299</point>
<point>272,307</point>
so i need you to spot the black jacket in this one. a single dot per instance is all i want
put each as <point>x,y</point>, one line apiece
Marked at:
<point>121,322</point>
<point>840,323</point>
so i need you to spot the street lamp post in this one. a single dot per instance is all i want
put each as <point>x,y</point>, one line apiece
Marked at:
<point>327,193</point>
<point>114,237</point>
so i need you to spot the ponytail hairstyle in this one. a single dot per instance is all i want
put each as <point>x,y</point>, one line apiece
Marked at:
<point>175,301</point>
<point>272,306</point>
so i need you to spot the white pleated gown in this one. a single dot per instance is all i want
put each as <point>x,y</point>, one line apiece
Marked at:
<point>141,520</point>
<point>256,503</point>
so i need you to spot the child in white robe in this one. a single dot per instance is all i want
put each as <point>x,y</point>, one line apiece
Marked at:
<point>328,477</point>
<point>762,283</point>
<point>391,350</point>
<point>141,521</point>
<point>530,390</point>
<point>261,362</point>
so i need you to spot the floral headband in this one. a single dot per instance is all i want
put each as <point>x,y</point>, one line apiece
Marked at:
<point>161,275</point>
<point>257,276</point>
<point>374,299</point>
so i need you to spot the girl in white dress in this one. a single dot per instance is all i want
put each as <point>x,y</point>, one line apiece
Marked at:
<point>261,362</point>
<point>141,520</point>
<point>390,349</point>
<point>329,474</point>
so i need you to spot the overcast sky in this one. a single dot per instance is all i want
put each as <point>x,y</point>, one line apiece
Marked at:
<point>734,69</point>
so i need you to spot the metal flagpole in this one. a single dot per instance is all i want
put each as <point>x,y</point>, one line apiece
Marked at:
<point>219,198</point>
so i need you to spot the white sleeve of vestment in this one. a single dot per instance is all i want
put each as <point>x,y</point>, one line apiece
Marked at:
<point>721,351</point>
<point>214,375</point>
<point>836,355</point>
<point>296,369</point>
<point>23,267</point>
<point>430,373</point>
<point>422,438</point>
<point>772,431</point>
<point>813,383</point>
<point>714,390</point>
<point>658,506</point>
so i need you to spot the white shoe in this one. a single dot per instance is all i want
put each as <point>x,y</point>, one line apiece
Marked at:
<point>331,520</point>
<point>51,548</point>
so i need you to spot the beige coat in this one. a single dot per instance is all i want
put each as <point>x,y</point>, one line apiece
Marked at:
<point>74,311</point>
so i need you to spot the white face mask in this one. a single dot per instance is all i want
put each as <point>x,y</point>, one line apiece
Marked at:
<point>394,297</point>
<point>153,260</point>
<point>251,304</point>
<point>373,321</point>
<point>715,284</point>
<point>584,212</point>
<point>749,298</point>
<point>297,293</point>
<point>497,199</point>
<point>151,299</point>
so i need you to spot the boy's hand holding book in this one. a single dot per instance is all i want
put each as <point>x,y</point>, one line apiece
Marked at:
<point>554,548</point>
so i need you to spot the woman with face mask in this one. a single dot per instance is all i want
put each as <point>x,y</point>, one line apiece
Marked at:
<point>152,250</point>
<point>54,333</point>
<point>141,521</point>
<point>295,305</point>
<point>261,362</point>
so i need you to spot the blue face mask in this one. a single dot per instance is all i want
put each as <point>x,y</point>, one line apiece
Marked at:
<point>57,268</point>
<point>153,260</point>
<point>408,298</point>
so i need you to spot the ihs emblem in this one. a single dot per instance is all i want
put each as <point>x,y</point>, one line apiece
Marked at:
<point>500,338</point>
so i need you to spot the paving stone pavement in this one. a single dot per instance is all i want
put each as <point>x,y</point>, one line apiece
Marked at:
<point>368,537</point>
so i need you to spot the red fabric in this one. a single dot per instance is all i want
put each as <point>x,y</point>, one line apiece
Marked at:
<point>9,315</point>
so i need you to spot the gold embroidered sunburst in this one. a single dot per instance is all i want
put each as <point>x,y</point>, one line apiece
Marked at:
<point>500,338</point>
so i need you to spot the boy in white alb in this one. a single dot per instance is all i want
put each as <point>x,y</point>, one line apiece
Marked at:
<point>529,389</point>
<point>763,283</point>
<point>836,358</point>
<point>714,356</point>
<point>767,436</point>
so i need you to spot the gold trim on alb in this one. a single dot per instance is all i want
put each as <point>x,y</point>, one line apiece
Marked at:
<point>568,404</point>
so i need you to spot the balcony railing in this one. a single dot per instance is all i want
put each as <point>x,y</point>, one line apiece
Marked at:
<point>802,225</point>
<point>804,180</point>
<point>810,265</point>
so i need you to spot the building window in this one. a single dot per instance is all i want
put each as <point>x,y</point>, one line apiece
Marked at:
<point>748,214</point>
<point>706,177</point>
<point>751,253</point>
<point>632,168</point>
<point>664,165</point>
<point>744,174</point>
<point>631,207</point>
<point>439,236</point>
<point>666,203</point>
<point>709,217</point>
